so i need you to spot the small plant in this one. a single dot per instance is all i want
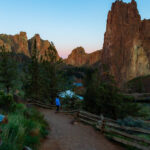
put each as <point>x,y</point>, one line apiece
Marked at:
<point>131,122</point>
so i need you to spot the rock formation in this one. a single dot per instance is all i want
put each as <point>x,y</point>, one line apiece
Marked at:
<point>79,57</point>
<point>20,44</point>
<point>17,43</point>
<point>42,45</point>
<point>126,48</point>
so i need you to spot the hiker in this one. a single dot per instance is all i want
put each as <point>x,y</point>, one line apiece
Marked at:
<point>57,101</point>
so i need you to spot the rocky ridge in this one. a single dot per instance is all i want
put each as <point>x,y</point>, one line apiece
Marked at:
<point>20,44</point>
<point>79,57</point>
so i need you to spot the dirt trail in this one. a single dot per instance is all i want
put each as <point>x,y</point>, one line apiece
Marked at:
<point>65,136</point>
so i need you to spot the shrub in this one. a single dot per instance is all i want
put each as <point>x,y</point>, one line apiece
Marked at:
<point>22,129</point>
<point>72,103</point>
<point>13,133</point>
<point>131,122</point>
<point>6,101</point>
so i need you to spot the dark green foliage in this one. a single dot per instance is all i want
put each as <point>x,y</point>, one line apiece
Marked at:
<point>33,75</point>
<point>6,101</point>
<point>43,78</point>
<point>103,97</point>
<point>139,84</point>
<point>76,72</point>
<point>52,78</point>
<point>131,122</point>
<point>8,70</point>
<point>23,130</point>
<point>72,103</point>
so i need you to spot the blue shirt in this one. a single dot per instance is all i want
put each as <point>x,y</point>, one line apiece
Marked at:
<point>57,102</point>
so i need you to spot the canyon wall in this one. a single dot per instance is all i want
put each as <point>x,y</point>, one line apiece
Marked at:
<point>126,48</point>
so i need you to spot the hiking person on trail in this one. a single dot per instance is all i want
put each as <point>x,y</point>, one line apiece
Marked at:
<point>57,101</point>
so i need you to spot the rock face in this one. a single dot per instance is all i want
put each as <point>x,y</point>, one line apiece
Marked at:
<point>42,45</point>
<point>126,48</point>
<point>17,43</point>
<point>79,57</point>
<point>20,44</point>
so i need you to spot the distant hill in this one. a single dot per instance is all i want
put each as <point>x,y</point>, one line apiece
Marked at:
<point>79,57</point>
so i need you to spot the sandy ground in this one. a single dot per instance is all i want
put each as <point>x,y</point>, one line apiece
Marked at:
<point>65,136</point>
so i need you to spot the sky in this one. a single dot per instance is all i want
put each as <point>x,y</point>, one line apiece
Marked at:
<point>68,23</point>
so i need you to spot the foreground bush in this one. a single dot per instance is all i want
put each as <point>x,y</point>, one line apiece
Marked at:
<point>26,127</point>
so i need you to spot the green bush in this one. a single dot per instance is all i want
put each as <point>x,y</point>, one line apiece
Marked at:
<point>131,122</point>
<point>72,103</point>
<point>6,101</point>
<point>145,111</point>
<point>34,115</point>
<point>19,107</point>
<point>23,129</point>
<point>13,133</point>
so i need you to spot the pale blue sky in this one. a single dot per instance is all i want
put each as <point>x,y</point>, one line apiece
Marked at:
<point>68,23</point>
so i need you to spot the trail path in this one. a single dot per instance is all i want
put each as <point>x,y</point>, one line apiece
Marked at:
<point>65,136</point>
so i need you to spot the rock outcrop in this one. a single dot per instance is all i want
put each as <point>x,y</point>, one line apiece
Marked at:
<point>42,45</point>
<point>17,43</point>
<point>20,44</point>
<point>126,48</point>
<point>79,57</point>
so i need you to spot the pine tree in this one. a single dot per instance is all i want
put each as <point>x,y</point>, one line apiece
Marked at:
<point>52,78</point>
<point>8,70</point>
<point>33,81</point>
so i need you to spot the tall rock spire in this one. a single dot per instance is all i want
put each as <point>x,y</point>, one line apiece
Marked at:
<point>122,50</point>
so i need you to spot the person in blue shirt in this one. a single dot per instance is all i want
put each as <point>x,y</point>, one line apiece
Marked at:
<point>57,101</point>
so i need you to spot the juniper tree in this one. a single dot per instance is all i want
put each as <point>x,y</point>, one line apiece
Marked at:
<point>8,70</point>
<point>33,75</point>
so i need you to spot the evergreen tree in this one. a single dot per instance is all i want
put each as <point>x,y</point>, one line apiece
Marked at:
<point>8,70</point>
<point>103,97</point>
<point>33,75</point>
<point>52,78</point>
